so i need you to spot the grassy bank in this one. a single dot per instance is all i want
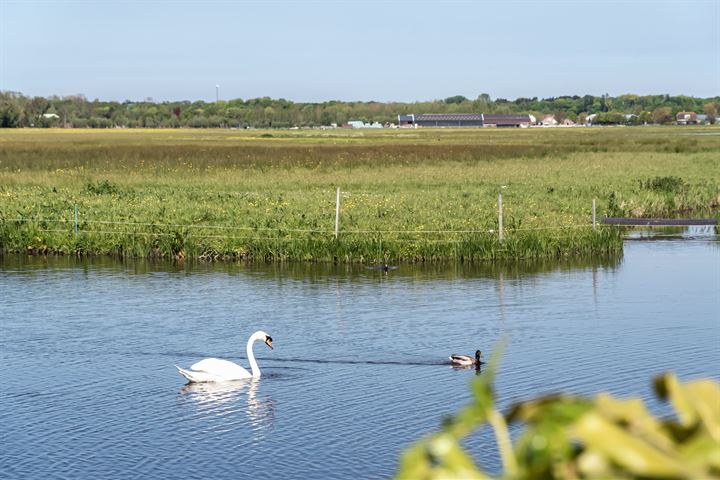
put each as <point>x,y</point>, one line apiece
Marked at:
<point>407,194</point>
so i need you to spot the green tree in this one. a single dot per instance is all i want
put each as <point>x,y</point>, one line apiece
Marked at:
<point>36,107</point>
<point>78,111</point>
<point>9,113</point>
<point>711,110</point>
<point>609,118</point>
<point>662,115</point>
<point>269,115</point>
<point>455,99</point>
<point>560,115</point>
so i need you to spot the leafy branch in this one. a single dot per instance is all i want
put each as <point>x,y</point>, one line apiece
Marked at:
<point>571,437</point>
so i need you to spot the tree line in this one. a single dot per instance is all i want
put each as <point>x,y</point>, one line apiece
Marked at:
<point>18,110</point>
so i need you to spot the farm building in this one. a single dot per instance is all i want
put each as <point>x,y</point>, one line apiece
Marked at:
<point>361,124</point>
<point>463,120</point>
<point>511,121</point>
<point>449,120</point>
<point>548,121</point>
<point>686,118</point>
<point>406,120</point>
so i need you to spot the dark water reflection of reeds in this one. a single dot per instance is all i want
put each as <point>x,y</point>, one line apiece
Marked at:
<point>310,272</point>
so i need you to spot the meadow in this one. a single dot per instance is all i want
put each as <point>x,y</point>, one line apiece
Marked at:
<point>407,195</point>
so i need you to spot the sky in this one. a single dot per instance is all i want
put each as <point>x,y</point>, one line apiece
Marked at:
<point>358,50</point>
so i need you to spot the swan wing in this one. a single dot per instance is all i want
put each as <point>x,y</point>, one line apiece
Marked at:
<point>220,369</point>
<point>195,377</point>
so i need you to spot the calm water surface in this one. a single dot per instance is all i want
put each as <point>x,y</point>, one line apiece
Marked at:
<point>88,387</point>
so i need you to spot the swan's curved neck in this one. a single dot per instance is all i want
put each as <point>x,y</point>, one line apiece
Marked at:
<point>251,357</point>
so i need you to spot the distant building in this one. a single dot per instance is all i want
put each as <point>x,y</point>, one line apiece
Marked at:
<point>548,121</point>
<point>50,116</point>
<point>406,120</point>
<point>449,120</point>
<point>686,118</point>
<point>506,121</point>
<point>361,124</point>
<point>568,123</point>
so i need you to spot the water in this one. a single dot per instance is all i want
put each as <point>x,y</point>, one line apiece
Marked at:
<point>358,372</point>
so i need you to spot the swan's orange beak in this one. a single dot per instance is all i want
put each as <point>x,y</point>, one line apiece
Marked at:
<point>268,342</point>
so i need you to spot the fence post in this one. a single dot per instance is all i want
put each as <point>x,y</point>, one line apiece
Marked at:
<point>337,213</point>
<point>593,213</point>
<point>76,220</point>
<point>500,228</point>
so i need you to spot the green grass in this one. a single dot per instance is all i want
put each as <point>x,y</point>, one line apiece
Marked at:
<point>408,195</point>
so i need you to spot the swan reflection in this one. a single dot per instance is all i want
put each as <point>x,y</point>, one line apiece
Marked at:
<point>220,399</point>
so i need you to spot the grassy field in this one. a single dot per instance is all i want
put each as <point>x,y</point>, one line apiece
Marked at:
<point>407,195</point>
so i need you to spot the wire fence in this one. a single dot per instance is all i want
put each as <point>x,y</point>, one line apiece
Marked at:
<point>281,232</point>
<point>687,236</point>
<point>707,231</point>
<point>187,226</point>
<point>418,231</point>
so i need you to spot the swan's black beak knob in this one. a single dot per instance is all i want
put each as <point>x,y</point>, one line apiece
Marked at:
<point>268,341</point>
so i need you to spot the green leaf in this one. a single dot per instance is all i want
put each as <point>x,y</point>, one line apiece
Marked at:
<point>622,448</point>
<point>697,401</point>
<point>638,420</point>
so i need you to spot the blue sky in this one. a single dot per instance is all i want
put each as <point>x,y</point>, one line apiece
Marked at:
<point>359,50</point>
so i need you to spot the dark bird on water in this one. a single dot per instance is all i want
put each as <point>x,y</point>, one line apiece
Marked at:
<point>466,360</point>
<point>384,267</point>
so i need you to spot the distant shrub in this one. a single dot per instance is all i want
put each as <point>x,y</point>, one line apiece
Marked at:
<point>664,184</point>
<point>683,146</point>
<point>455,99</point>
<point>102,187</point>
<point>615,205</point>
<point>198,122</point>
<point>609,118</point>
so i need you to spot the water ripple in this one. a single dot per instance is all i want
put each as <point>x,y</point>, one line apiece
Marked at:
<point>360,368</point>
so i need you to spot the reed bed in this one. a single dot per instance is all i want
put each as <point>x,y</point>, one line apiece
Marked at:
<point>415,195</point>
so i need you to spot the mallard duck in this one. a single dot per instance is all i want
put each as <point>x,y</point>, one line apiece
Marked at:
<point>465,360</point>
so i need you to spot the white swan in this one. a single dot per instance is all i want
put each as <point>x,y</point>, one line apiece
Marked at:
<point>218,370</point>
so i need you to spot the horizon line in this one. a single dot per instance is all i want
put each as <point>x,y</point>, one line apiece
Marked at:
<point>150,99</point>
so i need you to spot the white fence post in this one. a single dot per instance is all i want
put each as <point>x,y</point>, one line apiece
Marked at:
<point>500,227</point>
<point>593,213</point>
<point>337,213</point>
